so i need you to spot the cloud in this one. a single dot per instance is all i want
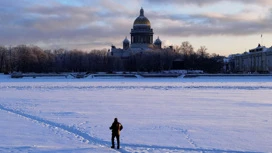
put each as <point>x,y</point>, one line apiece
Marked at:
<point>208,2</point>
<point>100,23</point>
<point>184,2</point>
<point>249,20</point>
<point>56,24</point>
<point>213,24</point>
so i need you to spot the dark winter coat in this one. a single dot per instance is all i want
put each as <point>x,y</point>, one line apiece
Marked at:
<point>116,127</point>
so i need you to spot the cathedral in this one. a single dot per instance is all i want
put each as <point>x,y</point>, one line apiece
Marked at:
<point>141,39</point>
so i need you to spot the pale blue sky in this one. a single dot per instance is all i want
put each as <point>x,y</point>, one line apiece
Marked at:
<point>223,26</point>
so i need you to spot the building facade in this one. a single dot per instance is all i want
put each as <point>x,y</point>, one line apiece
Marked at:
<point>257,60</point>
<point>141,39</point>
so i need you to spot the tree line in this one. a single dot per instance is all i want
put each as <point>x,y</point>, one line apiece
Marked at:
<point>23,58</point>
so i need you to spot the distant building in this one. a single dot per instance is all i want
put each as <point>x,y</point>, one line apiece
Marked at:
<point>141,39</point>
<point>256,60</point>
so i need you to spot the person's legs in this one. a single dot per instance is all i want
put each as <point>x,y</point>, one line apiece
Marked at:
<point>112,141</point>
<point>118,141</point>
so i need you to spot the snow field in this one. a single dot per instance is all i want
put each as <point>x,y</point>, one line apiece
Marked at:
<point>158,115</point>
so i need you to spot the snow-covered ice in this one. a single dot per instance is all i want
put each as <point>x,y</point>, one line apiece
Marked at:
<point>206,114</point>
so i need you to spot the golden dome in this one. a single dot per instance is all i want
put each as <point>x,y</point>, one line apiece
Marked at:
<point>142,20</point>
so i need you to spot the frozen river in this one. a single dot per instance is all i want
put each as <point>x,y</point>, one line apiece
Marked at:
<point>207,114</point>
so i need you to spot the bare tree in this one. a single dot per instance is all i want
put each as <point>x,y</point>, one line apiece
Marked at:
<point>34,59</point>
<point>186,48</point>
<point>3,59</point>
<point>202,52</point>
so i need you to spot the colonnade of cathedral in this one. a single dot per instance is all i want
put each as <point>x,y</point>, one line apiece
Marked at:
<point>146,39</point>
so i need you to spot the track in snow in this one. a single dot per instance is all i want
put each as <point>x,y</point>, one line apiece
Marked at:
<point>100,142</point>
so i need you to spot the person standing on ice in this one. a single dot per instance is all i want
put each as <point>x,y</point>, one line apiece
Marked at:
<point>116,127</point>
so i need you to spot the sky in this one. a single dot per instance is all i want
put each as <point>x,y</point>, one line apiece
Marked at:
<point>224,27</point>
